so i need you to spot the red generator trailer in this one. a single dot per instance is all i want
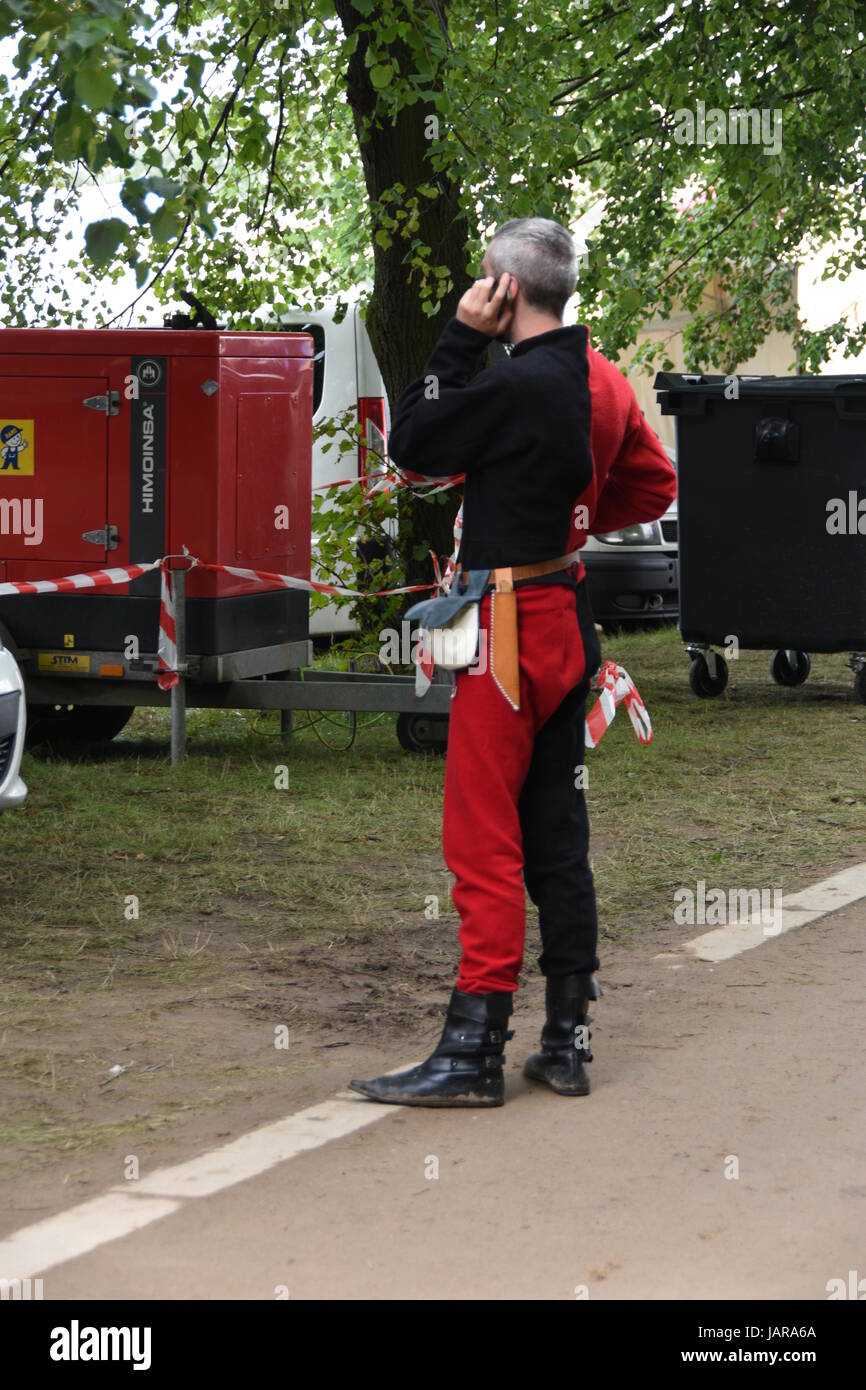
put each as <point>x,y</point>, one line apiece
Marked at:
<point>120,446</point>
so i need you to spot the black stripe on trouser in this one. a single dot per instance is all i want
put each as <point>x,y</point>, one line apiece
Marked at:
<point>555,827</point>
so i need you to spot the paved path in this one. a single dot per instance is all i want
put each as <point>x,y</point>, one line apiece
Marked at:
<point>752,1064</point>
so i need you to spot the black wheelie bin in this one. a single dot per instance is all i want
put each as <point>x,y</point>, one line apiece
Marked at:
<point>772,520</point>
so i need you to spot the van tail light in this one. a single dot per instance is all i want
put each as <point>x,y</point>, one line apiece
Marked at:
<point>371,452</point>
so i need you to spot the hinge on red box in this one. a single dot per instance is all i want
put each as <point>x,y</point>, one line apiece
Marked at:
<point>109,404</point>
<point>107,538</point>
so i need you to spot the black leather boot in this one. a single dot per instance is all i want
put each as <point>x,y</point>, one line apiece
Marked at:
<point>466,1067</point>
<point>561,1063</point>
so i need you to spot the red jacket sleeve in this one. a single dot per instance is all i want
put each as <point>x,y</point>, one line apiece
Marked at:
<point>640,483</point>
<point>633,478</point>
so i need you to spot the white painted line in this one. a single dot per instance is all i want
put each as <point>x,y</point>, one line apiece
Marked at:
<point>122,1210</point>
<point>798,909</point>
<point>77,1232</point>
<point>254,1153</point>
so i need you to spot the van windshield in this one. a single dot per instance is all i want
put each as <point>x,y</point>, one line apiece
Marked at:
<point>317,333</point>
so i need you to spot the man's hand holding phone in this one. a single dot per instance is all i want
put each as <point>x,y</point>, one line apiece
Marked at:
<point>488,306</point>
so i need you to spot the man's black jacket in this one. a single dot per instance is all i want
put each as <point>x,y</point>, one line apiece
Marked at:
<point>519,430</point>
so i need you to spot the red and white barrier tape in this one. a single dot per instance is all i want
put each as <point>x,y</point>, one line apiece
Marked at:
<point>101,579</point>
<point>167,643</point>
<point>617,687</point>
<point>614,682</point>
<point>167,673</point>
<point>97,579</point>
<point>289,581</point>
<point>167,635</point>
<point>390,477</point>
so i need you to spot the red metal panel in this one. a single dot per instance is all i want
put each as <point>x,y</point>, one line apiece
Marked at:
<point>94,472</point>
<point>268,492</point>
<point>279,465</point>
<point>263,443</point>
<point>53,469</point>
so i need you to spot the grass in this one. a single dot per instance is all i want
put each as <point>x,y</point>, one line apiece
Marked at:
<point>133,894</point>
<point>762,787</point>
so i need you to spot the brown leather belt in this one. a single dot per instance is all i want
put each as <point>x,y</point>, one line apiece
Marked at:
<point>504,651</point>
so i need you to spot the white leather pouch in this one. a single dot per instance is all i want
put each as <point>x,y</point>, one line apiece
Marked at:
<point>450,624</point>
<point>455,644</point>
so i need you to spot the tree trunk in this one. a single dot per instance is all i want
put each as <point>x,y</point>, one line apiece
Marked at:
<point>402,335</point>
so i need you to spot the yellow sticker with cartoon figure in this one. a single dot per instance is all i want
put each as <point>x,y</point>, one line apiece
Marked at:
<point>16,447</point>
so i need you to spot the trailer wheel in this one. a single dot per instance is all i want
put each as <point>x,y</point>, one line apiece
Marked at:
<point>705,686</point>
<point>784,672</point>
<point>860,685</point>
<point>422,733</point>
<point>76,723</point>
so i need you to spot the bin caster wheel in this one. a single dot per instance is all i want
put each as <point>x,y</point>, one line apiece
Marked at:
<point>703,684</point>
<point>790,668</point>
<point>860,685</point>
<point>422,733</point>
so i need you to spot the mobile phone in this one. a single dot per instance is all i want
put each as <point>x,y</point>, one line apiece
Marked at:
<point>493,290</point>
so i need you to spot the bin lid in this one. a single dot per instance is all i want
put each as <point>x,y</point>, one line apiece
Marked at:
<point>686,393</point>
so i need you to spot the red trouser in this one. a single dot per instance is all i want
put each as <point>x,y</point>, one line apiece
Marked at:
<point>511,804</point>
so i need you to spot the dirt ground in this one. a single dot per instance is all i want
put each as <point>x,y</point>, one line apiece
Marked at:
<point>625,1194</point>
<point>203,1061</point>
<point>203,1065</point>
<point>306,914</point>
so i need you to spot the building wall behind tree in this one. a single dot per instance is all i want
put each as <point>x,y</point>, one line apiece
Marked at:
<point>775,357</point>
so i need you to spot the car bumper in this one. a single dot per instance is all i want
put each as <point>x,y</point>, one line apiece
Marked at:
<point>13,722</point>
<point>630,587</point>
<point>14,795</point>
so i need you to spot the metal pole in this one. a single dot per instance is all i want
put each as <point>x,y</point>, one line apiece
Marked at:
<point>178,692</point>
<point>286,718</point>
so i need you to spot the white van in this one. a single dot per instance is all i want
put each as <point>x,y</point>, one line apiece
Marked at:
<point>345,373</point>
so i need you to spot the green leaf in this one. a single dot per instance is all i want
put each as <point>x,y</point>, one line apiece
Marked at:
<point>194,70</point>
<point>142,88</point>
<point>102,239</point>
<point>165,225</point>
<point>72,130</point>
<point>114,9</point>
<point>380,75</point>
<point>86,33</point>
<point>95,87</point>
<point>186,123</point>
<point>163,188</point>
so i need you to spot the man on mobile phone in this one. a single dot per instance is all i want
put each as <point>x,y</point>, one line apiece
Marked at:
<point>554,446</point>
